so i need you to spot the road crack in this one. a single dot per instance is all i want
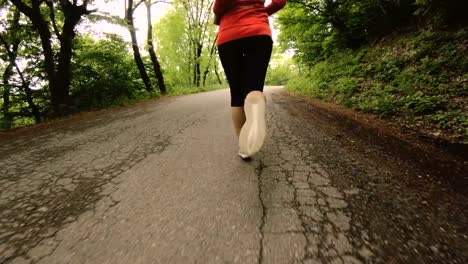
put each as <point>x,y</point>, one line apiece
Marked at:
<point>258,171</point>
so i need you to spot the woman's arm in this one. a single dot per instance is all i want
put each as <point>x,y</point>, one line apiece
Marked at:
<point>275,6</point>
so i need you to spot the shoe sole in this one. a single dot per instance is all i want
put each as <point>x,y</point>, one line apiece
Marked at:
<point>244,157</point>
<point>253,132</point>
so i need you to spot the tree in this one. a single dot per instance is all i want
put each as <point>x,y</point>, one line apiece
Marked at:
<point>103,72</point>
<point>210,58</point>
<point>11,41</point>
<point>130,9</point>
<point>11,51</point>
<point>150,48</point>
<point>62,16</point>
<point>330,25</point>
<point>281,68</point>
<point>187,54</point>
<point>172,46</point>
<point>199,15</point>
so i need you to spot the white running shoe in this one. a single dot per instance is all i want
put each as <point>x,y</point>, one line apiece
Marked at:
<point>244,157</point>
<point>252,134</point>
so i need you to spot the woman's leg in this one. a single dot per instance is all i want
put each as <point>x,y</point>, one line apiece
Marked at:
<point>256,59</point>
<point>231,56</point>
<point>257,56</point>
<point>238,118</point>
<point>245,62</point>
<point>255,94</point>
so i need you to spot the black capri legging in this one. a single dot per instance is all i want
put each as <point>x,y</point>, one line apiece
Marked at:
<point>245,62</point>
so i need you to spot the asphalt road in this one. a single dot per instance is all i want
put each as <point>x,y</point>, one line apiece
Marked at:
<point>160,182</point>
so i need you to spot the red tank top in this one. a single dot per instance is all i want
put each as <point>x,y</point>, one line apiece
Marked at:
<point>244,18</point>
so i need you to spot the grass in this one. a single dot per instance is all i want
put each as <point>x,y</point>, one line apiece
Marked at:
<point>184,90</point>
<point>418,77</point>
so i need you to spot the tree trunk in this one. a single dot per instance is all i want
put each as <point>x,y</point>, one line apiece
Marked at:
<point>208,66</point>
<point>6,96</point>
<point>196,68</point>
<point>199,16</point>
<point>34,109</point>
<point>72,17</point>
<point>136,51</point>
<point>192,63</point>
<point>152,53</point>
<point>58,75</point>
<point>49,63</point>
<point>197,64</point>
<point>217,73</point>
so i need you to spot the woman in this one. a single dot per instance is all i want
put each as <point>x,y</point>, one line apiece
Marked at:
<point>244,46</point>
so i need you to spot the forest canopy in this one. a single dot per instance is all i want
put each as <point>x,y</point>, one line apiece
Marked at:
<point>51,68</point>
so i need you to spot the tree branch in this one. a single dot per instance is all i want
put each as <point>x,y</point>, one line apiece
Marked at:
<point>163,2</point>
<point>50,4</point>
<point>139,3</point>
<point>27,10</point>
<point>87,11</point>
<point>11,56</point>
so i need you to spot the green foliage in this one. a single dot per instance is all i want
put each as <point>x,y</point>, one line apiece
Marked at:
<point>278,75</point>
<point>21,45</point>
<point>172,46</point>
<point>183,90</point>
<point>104,73</point>
<point>420,103</point>
<point>178,35</point>
<point>379,100</point>
<point>317,29</point>
<point>451,119</point>
<point>423,76</point>
<point>328,26</point>
<point>299,84</point>
<point>281,69</point>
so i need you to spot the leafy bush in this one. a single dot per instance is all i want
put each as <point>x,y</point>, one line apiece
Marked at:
<point>451,119</point>
<point>419,103</point>
<point>299,84</point>
<point>104,74</point>
<point>281,72</point>
<point>424,75</point>
<point>383,105</point>
<point>317,30</point>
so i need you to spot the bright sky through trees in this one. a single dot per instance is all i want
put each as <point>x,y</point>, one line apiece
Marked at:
<point>117,8</point>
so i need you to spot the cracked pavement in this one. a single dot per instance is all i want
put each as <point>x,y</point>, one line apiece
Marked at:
<point>160,182</point>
